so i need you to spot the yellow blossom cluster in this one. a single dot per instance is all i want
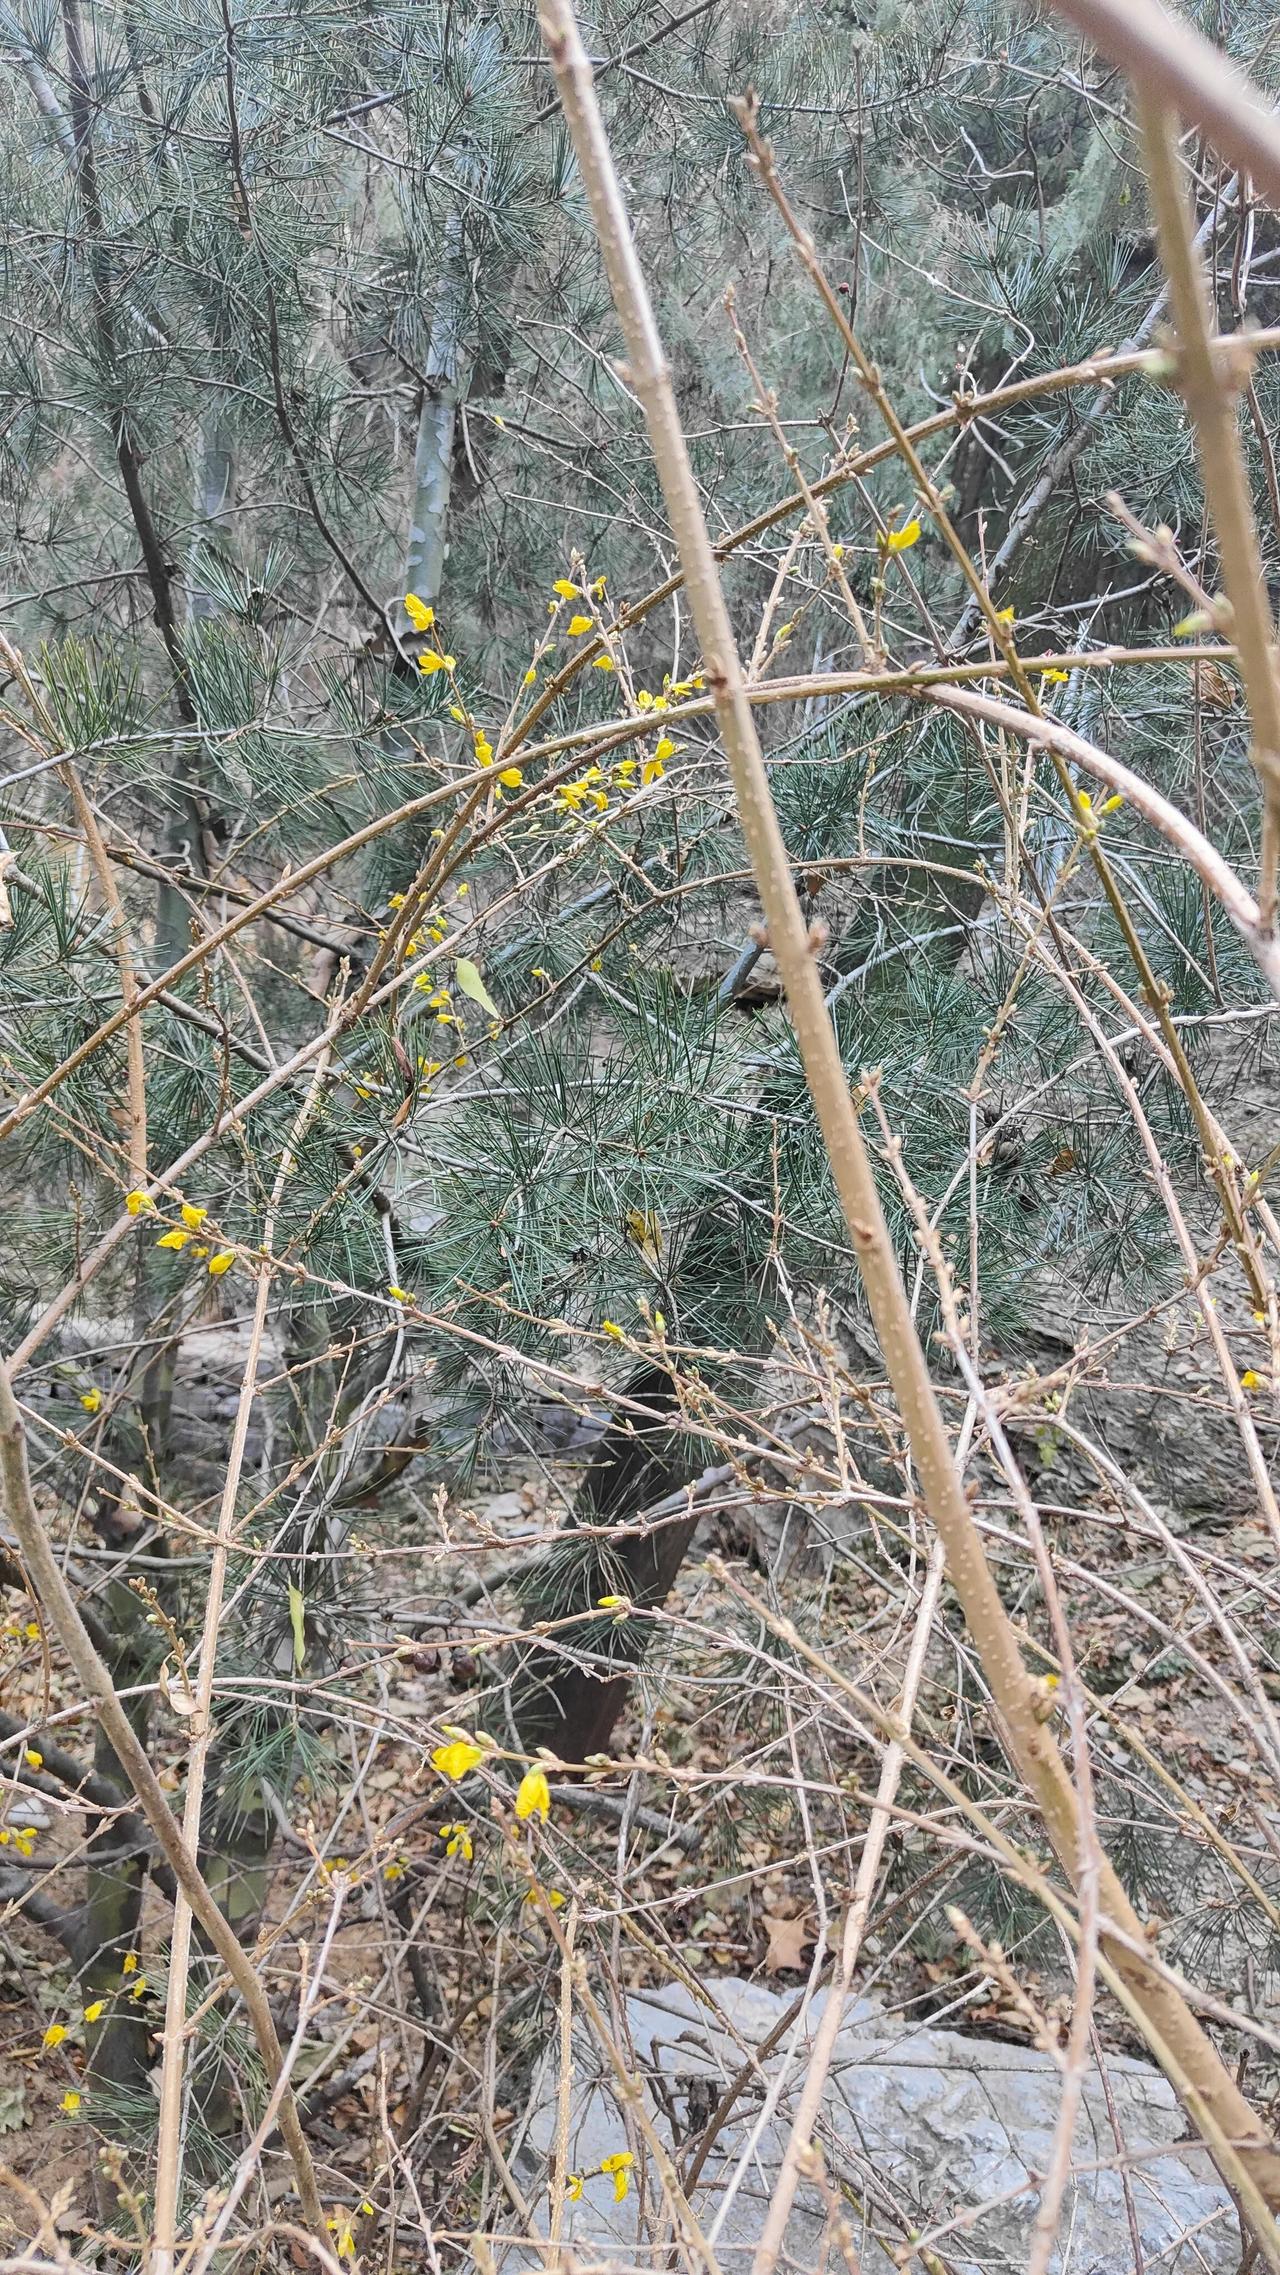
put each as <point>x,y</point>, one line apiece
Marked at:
<point>1092,815</point>
<point>590,793</point>
<point>176,1238</point>
<point>464,1752</point>
<point>57,2032</point>
<point>616,2168</point>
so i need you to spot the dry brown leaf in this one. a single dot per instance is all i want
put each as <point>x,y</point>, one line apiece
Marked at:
<point>1215,690</point>
<point>787,1940</point>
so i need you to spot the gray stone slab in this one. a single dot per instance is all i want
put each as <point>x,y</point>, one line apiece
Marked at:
<point>920,2127</point>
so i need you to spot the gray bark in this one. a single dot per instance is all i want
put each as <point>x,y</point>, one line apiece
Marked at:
<point>445,377</point>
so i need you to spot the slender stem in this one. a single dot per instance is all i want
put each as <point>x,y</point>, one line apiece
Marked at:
<point>244,215</point>
<point>1174,63</point>
<point>1166,2020</point>
<point>129,458</point>
<point>1235,2160</point>
<point>59,1606</point>
<point>1197,851</point>
<point>169,2154</point>
<point>1209,389</point>
<point>1002,635</point>
<point>88,820</point>
<point>822,2051</point>
<point>1102,371</point>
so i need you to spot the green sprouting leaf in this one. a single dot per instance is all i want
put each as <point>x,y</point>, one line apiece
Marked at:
<point>469,980</point>
<point>13,2108</point>
<point>298,1622</point>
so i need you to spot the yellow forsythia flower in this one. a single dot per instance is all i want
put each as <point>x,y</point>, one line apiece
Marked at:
<point>511,778</point>
<point>454,1760</point>
<point>344,2242</point>
<point>53,2036</point>
<point>174,1238</point>
<point>566,589</point>
<point>573,2187</point>
<point>1054,677</point>
<point>457,1840</point>
<point>139,1203</point>
<point>95,2010</point>
<point>1251,1379</point>
<point>533,1798</point>
<point>602,663</point>
<point>420,616</point>
<point>130,1966</point>
<point>578,624</point>
<point>222,1262</point>
<point>32,1758</point>
<point>192,1216</point>
<point>91,1400</point>
<point>70,2102</point>
<point>430,661</point>
<point>1004,616</point>
<point>898,540</point>
<point>619,2167</point>
<point>399,1295</point>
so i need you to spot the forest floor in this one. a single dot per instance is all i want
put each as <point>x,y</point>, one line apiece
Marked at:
<point>708,1873</point>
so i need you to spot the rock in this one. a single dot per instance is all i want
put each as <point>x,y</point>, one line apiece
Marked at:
<point>920,2127</point>
<point>505,1510</point>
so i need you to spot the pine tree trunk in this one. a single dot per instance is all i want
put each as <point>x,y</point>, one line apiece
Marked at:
<point>428,543</point>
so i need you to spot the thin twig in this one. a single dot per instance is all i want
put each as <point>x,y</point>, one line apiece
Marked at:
<point>1171,60</point>
<point>169,2146</point>
<point>59,1605</point>
<point>1209,388</point>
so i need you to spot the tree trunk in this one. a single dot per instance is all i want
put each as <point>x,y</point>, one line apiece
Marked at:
<point>444,384</point>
